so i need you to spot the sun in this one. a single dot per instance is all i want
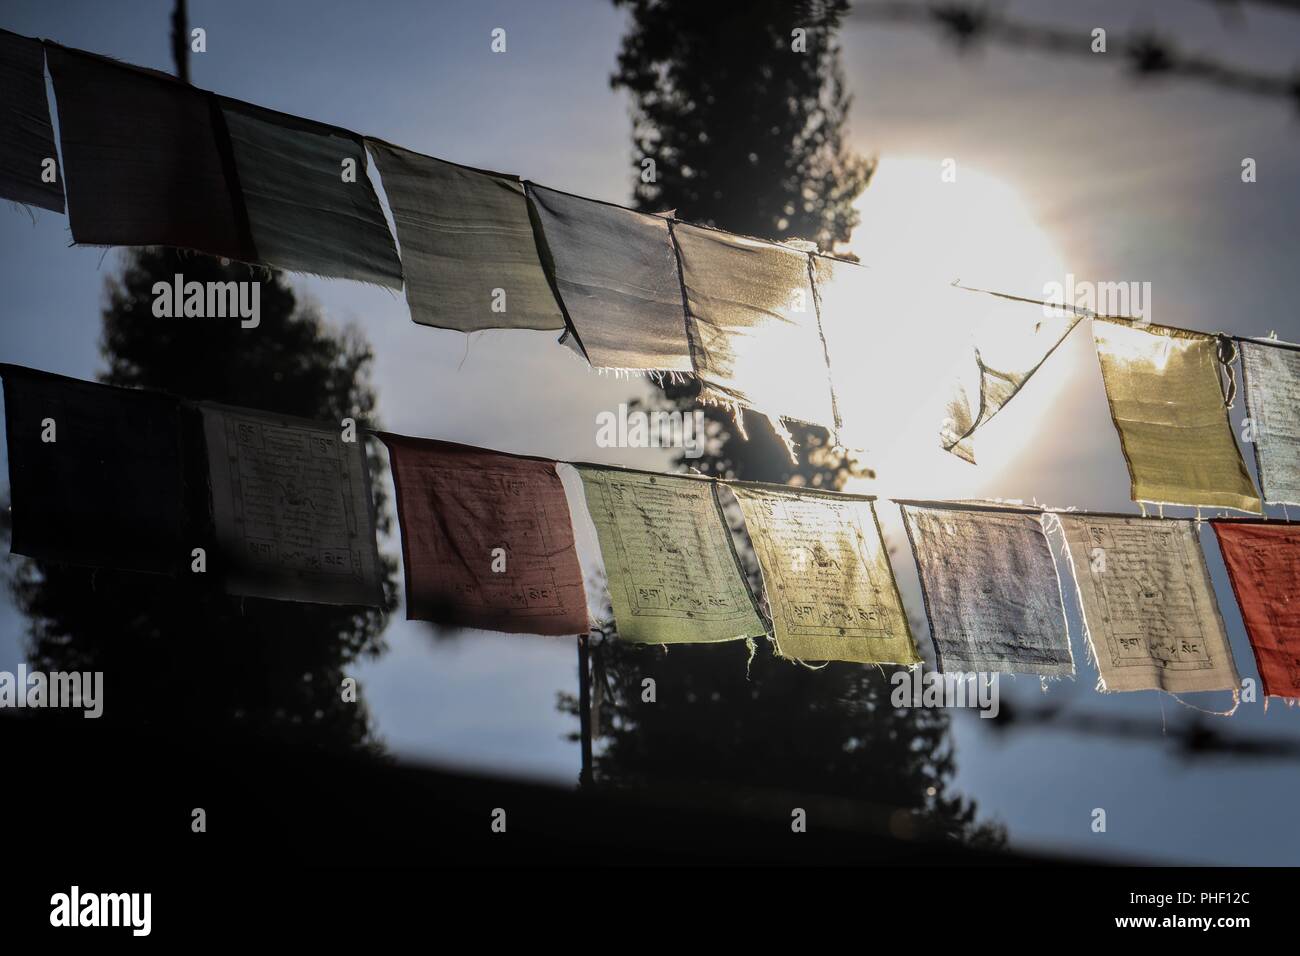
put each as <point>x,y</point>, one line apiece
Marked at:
<point>920,232</point>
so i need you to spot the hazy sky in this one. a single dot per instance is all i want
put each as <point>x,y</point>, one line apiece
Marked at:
<point>1063,165</point>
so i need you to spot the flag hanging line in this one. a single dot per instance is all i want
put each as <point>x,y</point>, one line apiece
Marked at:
<point>730,373</point>
<point>670,215</point>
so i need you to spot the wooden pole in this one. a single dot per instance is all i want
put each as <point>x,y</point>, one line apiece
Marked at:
<point>584,708</point>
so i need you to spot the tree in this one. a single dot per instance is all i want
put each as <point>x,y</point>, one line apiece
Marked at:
<point>748,135</point>
<point>178,655</point>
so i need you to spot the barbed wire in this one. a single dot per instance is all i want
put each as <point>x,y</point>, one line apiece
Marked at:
<point>1147,53</point>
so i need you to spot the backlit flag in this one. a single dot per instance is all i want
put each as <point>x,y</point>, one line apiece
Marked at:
<point>487,541</point>
<point>753,325</point>
<point>672,571</point>
<point>616,273</point>
<point>1263,560</point>
<point>1148,605</point>
<point>1167,404</point>
<point>468,250</point>
<point>827,576</point>
<point>991,591</point>
<point>310,204</point>
<point>292,509</point>
<point>146,159</point>
<point>26,135</point>
<point>1272,386</point>
<point>95,472</point>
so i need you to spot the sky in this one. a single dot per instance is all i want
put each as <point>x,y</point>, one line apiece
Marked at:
<point>1063,166</point>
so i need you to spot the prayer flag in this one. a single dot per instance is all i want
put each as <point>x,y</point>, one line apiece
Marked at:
<point>672,570</point>
<point>310,204</point>
<point>753,325</point>
<point>487,541</point>
<point>1263,560</point>
<point>26,135</point>
<point>292,509</point>
<point>1272,380</point>
<point>1148,604</point>
<point>616,274</point>
<point>991,591</point>
<point>468,250</point>
<point>827,576</point>
<point>94,472</point>
<point>1168,407</point>
<point>146,159</point>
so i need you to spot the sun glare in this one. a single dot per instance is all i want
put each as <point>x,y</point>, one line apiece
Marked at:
<point>919,233</point>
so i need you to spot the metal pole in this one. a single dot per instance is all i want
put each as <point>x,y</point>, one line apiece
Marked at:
<point>181,41</point>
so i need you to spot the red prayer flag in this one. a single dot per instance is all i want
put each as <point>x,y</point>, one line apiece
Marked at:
<point>1263,560</point>
<point>487,540</point>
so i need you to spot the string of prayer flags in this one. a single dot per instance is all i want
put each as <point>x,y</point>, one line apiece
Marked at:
<point>28,159</point>
<point>616,274</point>
<point>145,159</point>
<point>1168,407</point>
<point>827,576</point>
<point>94,472</point>
<point>468,251</point>
<point>291,508</point>
<point>487,541</point>
<point>310,204</point>
<point>754,334</point>
<point>1263,560</point>
<point>991,590</point>
<point>1148,605</point>
<point>673,574</point>
<point>1271,374</point>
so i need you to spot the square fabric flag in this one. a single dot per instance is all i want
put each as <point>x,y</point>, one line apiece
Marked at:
<point>673,574</point>
<point>94,472</point>
<point>26,135</point>
<point>1272,385</point>
<point>753,325</point>
<point>948,359</point>
<point>1167,404</point>
<point>1263,560</point>
<point>616,273</point>
<point>145,159</point>
<point>291,508</point>
<point>991,591</point>
<point>486,539</point>
<point>1148,605</point>
<point>468,251</point>
<point>829,584</point>
<point>310,204</point>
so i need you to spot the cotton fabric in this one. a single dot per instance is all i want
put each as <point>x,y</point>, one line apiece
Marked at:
<point>616,274</point>
<point>1167,404</point>
<point>1263,560</point>
<point>107,492</point>
<point>302,215</point>
<point>672,571</point>
<point>1272,386</point>
<point>465,233</point>
<point>827,576</point>
<point>26,134</point>
<point>991,591</point>
<point>292,509</point>
<point>1148,604</point>
<point>457,506</point>
<point>754,334</point>
<point>146,159</point>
